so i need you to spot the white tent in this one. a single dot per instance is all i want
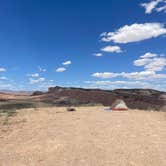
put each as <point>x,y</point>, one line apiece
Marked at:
<point>119,105</point>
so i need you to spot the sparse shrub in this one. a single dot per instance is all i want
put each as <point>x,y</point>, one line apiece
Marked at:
<point>7,114</point>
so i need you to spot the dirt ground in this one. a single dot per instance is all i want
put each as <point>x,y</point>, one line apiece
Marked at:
<point>89,136</point>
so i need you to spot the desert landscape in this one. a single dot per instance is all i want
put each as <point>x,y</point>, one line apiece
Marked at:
<point>83,83</point>
<point>144,99</point>
<point>37,129</point>
<point>89,136</point>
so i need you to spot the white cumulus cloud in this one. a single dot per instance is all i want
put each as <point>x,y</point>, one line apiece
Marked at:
<point>41,69</point>
<point>66,63</point>
<point>153,6</point>
<point>157,64</point>
<point>149,55</point>
<point>34,75</point>
<point>107,84</point>
<point>134,33</point>
<point>3,78</point>
<point>151,62</point>
<point>2,69</point>
<point>143,75</point>
<point>112,49</point>
<point>150,6</point>
<point>60,69</point>
<point>141,62</point>
<point>35,81</point>
<point>98,54</point>
<point>105,75</point>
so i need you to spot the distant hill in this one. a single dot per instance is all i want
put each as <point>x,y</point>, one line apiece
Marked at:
<point>135,98</point>
<point>146,99</point>
<point>16,92</point>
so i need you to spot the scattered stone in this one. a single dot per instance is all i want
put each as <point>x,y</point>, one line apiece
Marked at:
<point>71,109</point>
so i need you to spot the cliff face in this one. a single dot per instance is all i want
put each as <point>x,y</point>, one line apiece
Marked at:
<point>83,95</point>
<point>143,98</point>
<point>135,98</point>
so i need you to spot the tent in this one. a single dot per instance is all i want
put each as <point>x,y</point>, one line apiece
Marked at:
<point>119,105</point>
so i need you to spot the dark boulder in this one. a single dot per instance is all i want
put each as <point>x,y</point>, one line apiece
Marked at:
<point>36,93</point>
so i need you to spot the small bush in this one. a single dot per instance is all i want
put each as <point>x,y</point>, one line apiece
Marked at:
<point>8,113</point>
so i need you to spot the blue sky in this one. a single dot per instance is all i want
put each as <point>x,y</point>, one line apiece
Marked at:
<point>93,44</point>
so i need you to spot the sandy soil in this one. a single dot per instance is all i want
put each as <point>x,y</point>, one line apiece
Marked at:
<point>88,137</point>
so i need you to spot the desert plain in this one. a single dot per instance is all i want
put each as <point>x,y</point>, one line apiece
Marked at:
<point>89,136</point>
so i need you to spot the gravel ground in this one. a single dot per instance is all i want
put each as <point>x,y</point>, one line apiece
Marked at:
<point>89,136</point>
